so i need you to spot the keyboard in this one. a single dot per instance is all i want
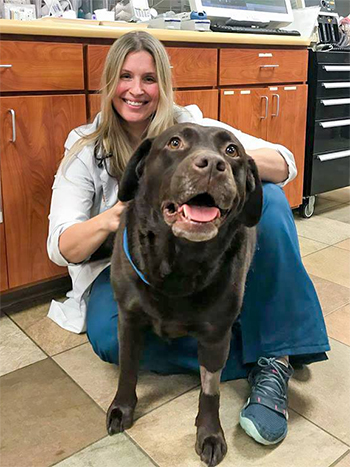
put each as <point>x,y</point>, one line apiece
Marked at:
<point>249,30</point>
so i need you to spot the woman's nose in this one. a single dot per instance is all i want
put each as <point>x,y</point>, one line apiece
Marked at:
<point>136,87</point>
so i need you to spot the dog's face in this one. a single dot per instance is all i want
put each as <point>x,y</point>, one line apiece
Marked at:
<point>197,178</point>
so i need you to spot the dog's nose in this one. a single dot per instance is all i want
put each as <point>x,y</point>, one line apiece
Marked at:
<point>209,163</point>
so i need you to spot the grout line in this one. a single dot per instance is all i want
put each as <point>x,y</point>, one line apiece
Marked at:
<point>336,462</point>
<point>321,428</point>
<point>336,309</point>
<point>140,448</point>
<point>313,252</point>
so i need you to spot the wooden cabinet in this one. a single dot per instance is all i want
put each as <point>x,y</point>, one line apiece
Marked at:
<point>276,114</point>
<point>3,260</point>
<point>207,100</point>
<point>40,66</point>
<point>33,130</point>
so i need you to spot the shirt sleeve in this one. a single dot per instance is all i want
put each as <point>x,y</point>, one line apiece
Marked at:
<point>250,142</point>
<point>73,193</point>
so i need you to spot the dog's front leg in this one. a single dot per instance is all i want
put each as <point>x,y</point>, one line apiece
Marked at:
<point>120,414</point>
<point>210,444</point>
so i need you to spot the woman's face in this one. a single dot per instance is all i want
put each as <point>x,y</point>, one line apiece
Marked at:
<point>137,93</point>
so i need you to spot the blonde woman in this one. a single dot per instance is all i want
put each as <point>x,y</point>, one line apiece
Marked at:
<point>281,320</point>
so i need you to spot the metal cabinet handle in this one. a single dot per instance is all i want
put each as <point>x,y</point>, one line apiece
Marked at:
<point>13,125</point>
<point>5,66</point>
<point>277,105</point>
<point>334,155</point>
<point>335,123</point>
<point>266,107</point>
<point>269,66</point>
<point>327,102</point>
<point>336,67</point>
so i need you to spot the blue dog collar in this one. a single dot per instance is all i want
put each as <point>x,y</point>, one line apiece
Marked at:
<point>127,253</point>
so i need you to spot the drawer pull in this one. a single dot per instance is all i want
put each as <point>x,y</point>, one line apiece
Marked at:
<point>335,123</point>
<point>12,112</point>
<point>336,68</point>
<point>336,85</point>
<point>277,105</point>
<point>5,66</point>
<point>269,66</point>
<point>266,107</point>
<point>334,155</point>
<point>327,102</point>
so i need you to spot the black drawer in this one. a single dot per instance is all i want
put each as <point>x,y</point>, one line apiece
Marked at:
<point>333,89</point>
<point>335,138</point>
<point>331,72</point>
<point>329,175</point>
<point>328,109</point>
<point>333,57</point>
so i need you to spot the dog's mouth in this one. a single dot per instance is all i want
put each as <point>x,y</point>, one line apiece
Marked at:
<point>198,219</point>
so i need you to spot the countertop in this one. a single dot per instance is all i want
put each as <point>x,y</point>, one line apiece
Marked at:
<point>112,30</point>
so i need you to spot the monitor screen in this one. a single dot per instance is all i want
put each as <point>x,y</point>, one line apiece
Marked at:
<point>268,6</point>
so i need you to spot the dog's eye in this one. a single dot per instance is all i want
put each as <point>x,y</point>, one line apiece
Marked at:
<point>175,143</point>
<point>231,150</point>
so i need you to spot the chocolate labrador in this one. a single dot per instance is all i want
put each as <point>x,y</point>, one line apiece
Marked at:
<point>180,260</point>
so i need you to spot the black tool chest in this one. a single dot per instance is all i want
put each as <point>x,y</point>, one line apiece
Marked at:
<point>327,154</point>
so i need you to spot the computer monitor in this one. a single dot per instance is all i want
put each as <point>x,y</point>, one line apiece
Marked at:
<point>273,12</point>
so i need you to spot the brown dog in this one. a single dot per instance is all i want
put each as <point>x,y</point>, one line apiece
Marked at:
<point>180,260</point>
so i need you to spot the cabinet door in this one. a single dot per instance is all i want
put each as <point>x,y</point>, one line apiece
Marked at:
<point>287,126</point>
<point>3,260</point>
<point>246,110</point>
<point>207,100</point>
<point>33,133</point>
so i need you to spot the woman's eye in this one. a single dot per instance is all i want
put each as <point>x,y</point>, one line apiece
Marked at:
<point>231,150</point>
<point>125,76</point>
<point>175,143</point>
<point>150,79</point>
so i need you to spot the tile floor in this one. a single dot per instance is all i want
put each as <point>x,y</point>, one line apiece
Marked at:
<point>55,391</point>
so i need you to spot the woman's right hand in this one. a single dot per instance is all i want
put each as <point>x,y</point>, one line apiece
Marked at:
<point>81,240</point>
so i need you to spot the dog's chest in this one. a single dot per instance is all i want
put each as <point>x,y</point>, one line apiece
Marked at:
<point>171,329</point>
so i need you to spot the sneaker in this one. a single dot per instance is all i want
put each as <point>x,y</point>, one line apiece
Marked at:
<point>264,416</point>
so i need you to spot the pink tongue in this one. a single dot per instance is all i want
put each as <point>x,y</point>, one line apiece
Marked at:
<point>200,213</point>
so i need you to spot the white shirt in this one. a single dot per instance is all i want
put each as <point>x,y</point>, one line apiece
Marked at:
<point>86,190</point>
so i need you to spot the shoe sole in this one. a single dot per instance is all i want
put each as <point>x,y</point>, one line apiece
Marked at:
<point>249,427</point>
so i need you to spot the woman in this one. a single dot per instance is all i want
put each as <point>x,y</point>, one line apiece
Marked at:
<point>278,323</point>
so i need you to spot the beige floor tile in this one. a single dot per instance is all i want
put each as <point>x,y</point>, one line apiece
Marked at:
<point>308,246</point>
<point>344,244</point>
<point>341,196</point>
<point>47,334</point>
<point>113,451</point>
<point>16,349</point>
<point>338,325</point>
<point>340,213</point>
<point>332,264</point>
<point>321,392</point>
<point>45,417</point>
<point>168,436</point>
<point>324,203</point>
<point>344,462</point>
<point>322,229</point>
<point>99,380</point>
<point>332,296</point>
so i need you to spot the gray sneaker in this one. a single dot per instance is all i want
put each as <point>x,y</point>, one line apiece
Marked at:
<point>265,414</point>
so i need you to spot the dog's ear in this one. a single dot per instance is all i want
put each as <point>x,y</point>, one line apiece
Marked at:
<point>133,171</point>
<point>252,208</point>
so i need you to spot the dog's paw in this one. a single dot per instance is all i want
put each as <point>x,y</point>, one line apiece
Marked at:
<point>211,448</point>
<point>119,418</point>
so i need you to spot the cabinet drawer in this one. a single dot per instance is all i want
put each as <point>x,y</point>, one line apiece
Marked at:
<point>96,58</point>
<point>254,66</point>
<point>40,66</point>
<point>333,135</point>
<point>334,89</point>
<point>327,109</point>
<point>329,174</point>
<point>193,67</point>
<point>338,72</point>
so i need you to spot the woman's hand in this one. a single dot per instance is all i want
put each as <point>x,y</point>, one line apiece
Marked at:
<point>79,241</point>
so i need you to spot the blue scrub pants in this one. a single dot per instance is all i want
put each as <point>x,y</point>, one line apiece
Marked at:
<point>281,314</point>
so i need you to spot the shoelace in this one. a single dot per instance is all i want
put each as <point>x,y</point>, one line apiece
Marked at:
<point>272,379</point>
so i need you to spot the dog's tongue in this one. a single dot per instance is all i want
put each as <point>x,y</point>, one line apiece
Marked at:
<point>200,213</point>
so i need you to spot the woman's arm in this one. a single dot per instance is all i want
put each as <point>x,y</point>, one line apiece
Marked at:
<point>271,164</point>
<point>81,240</point>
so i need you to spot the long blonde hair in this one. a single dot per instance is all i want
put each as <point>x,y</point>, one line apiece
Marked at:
<point>111,136</point>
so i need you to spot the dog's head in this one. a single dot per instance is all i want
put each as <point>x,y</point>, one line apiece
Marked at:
<point>197,178</point>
